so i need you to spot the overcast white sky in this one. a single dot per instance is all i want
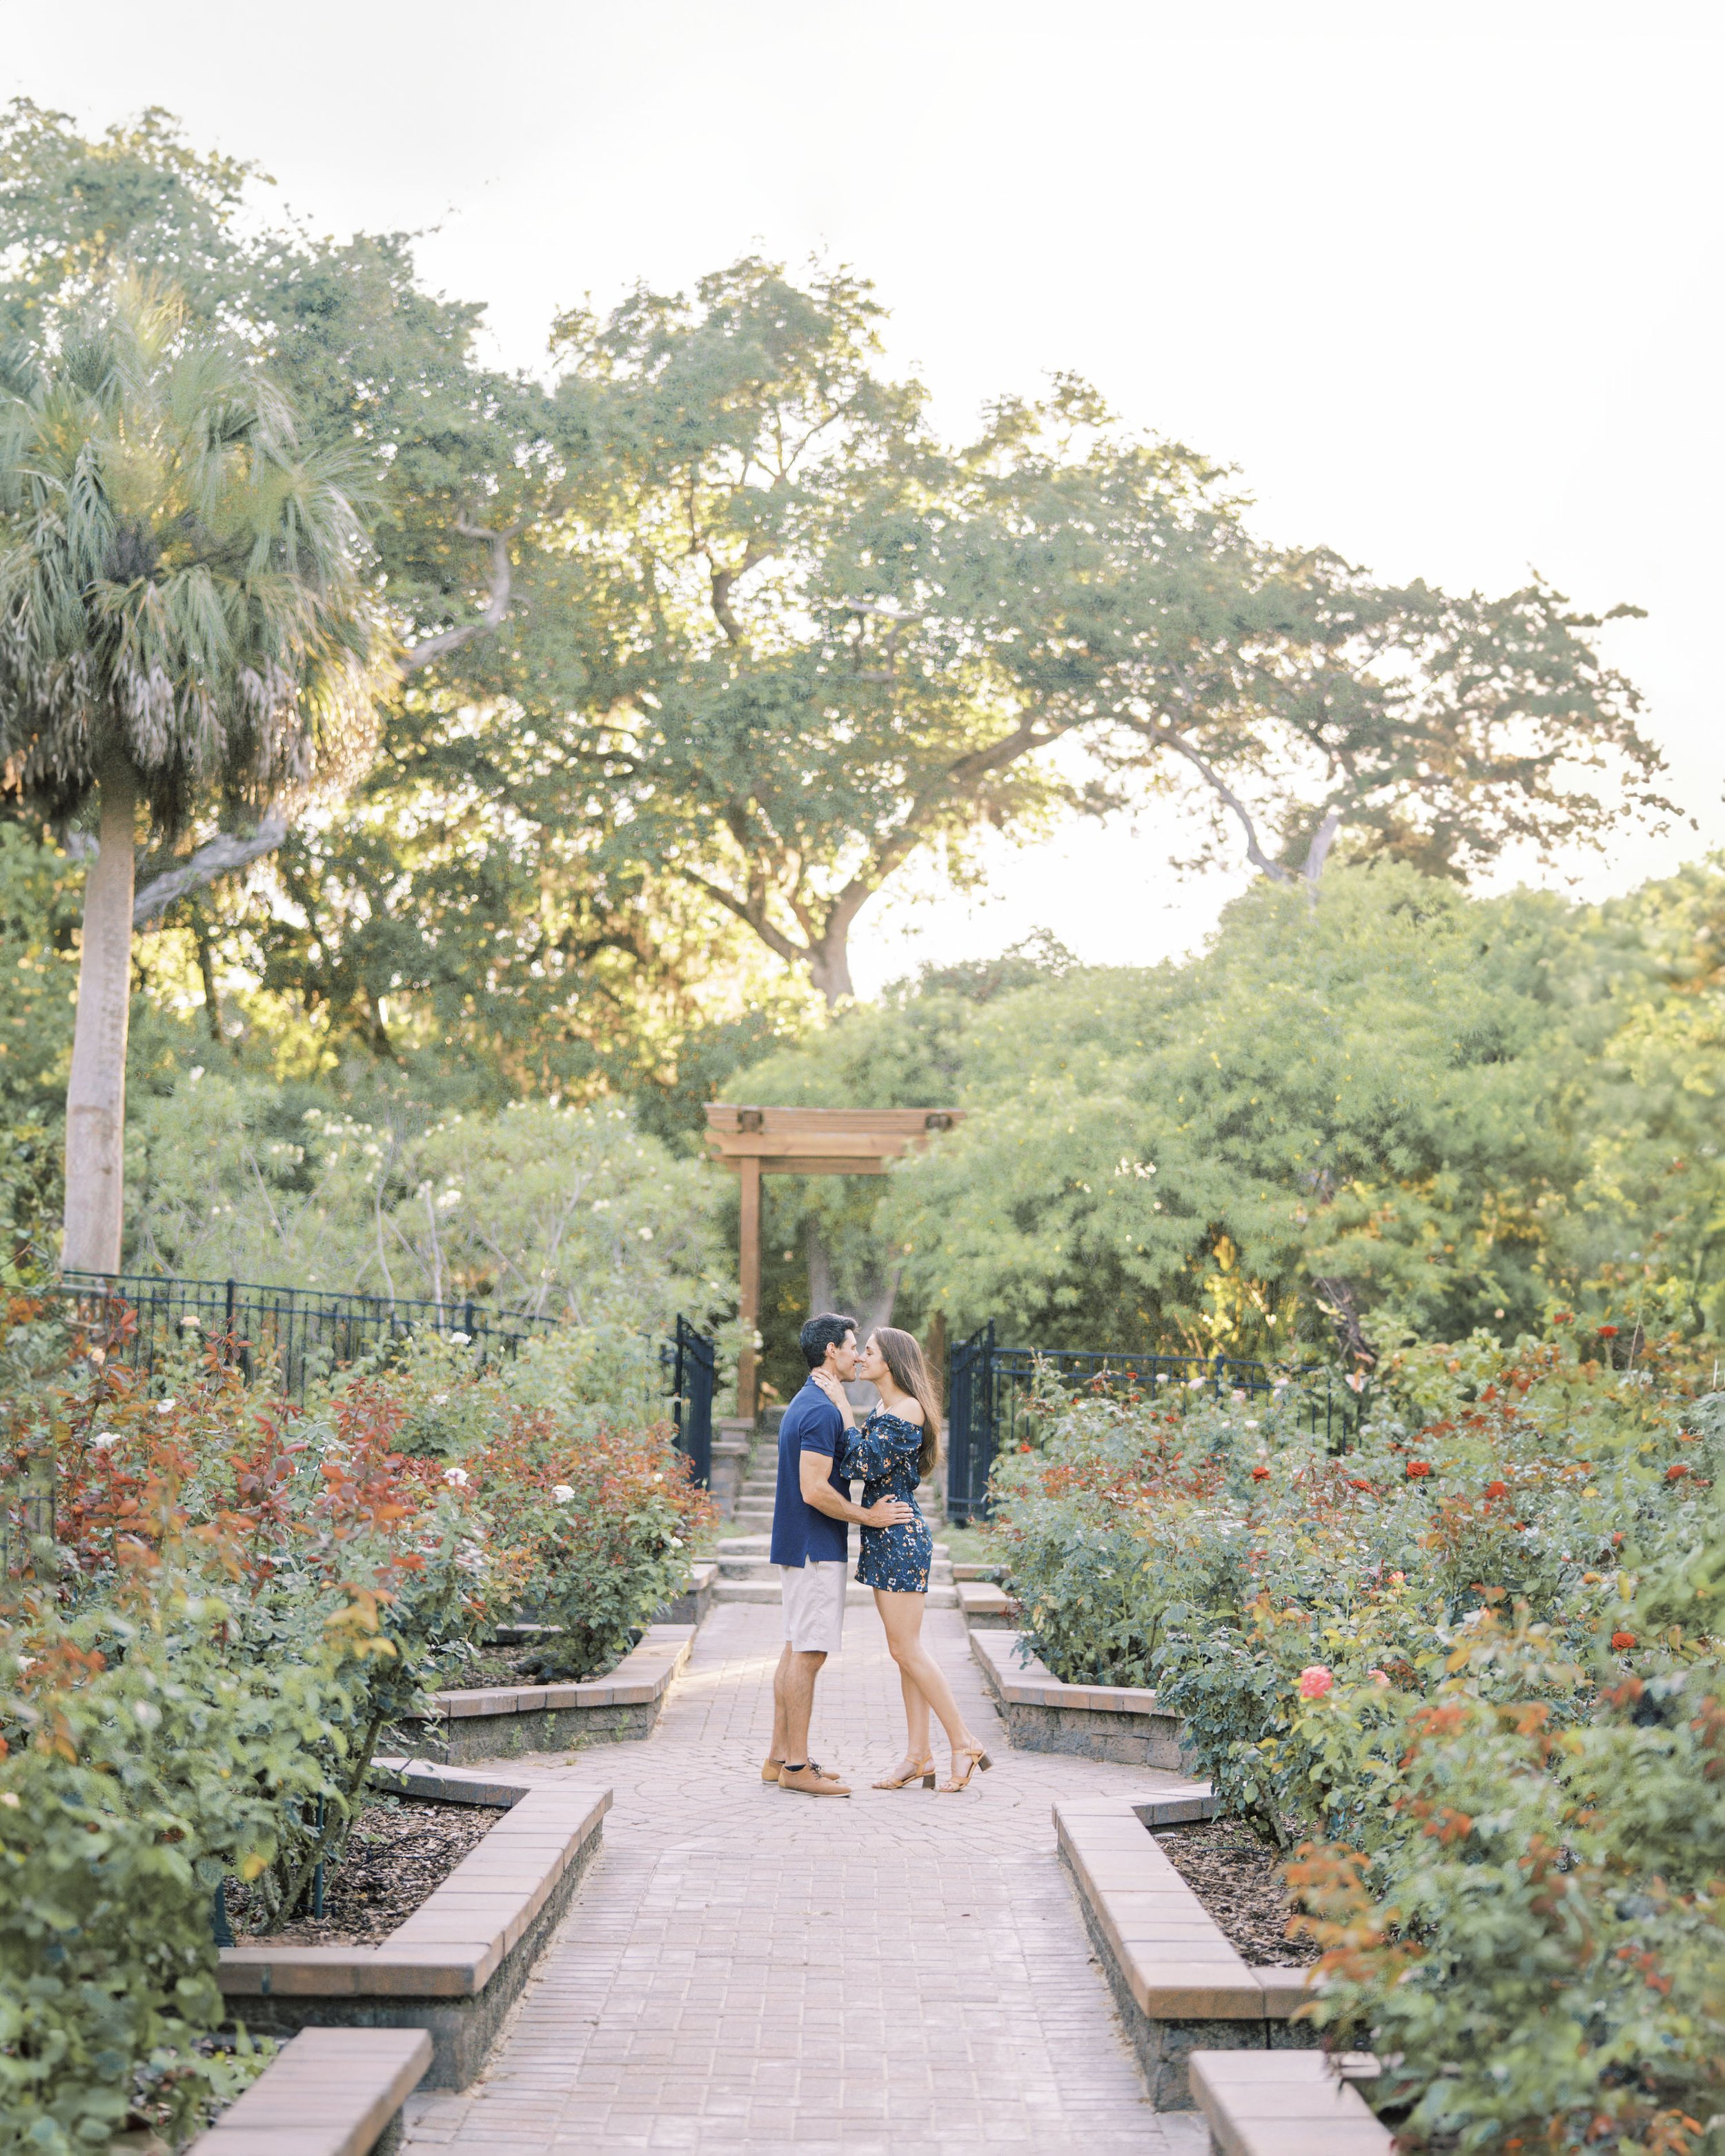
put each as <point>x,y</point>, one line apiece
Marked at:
<point>1444,283</point>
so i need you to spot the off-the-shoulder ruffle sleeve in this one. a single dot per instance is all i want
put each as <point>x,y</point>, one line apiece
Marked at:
<point>865,1453</point>
<point>870,1452</point>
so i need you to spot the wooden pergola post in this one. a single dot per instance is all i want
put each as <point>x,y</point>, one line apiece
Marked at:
<point>757,1142</point>
<point>748,1278</point>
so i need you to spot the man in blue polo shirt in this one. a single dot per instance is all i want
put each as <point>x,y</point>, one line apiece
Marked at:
<point>812,1512</point>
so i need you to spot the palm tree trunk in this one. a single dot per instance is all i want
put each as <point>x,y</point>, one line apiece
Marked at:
<point>95,1097</point>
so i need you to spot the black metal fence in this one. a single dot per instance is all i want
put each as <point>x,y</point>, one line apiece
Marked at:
<point>300,1335</point>
<point>690,1360</point>
<point>989,1389</point>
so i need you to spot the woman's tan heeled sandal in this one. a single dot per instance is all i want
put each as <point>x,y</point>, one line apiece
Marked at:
<point>923,1772</point>
<point>974,1758</point>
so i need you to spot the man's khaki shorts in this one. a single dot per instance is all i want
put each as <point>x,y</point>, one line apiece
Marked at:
<point>814,1604</point>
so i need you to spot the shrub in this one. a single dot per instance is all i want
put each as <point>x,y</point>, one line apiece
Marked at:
<point>1475,1661</point>
<point>146,1761</point>
<point>1528,1928</point>
<point>235,1603</point>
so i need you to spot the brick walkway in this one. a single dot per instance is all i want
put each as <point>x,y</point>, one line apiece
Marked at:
<point>743,1970</point>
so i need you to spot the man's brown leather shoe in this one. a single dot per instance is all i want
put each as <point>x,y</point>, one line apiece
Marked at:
<point>771,1769</point>
<point>811,1782</point>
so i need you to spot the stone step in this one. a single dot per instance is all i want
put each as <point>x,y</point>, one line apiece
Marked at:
<point>752,1566</point>
<point>758,1545</point>
<point>856,1596</point>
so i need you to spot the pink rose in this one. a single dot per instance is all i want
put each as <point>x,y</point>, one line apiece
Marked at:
<point>1315,1681</point>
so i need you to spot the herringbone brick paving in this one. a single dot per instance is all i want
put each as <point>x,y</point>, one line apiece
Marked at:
<point>744,1970</point>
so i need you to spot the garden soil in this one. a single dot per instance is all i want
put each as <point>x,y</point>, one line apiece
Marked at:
<point>1239,1882</point>
<point>397,1854</point>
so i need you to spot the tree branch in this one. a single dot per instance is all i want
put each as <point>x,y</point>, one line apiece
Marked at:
<point>775,939</point>
<point>496,607</point>
<point>220,857</point>
<point>1322,838</point>
<point>1213,779</point>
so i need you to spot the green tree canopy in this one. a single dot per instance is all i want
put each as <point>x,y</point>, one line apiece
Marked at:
<point>1409,1112</point>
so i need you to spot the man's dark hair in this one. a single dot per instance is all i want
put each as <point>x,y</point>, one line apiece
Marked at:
<point>819,1333</point>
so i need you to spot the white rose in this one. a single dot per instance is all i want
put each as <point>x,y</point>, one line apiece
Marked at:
<point>563,1492</point>
<point>456,1478</point>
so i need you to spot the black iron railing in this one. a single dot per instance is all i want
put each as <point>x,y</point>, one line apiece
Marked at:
<point>300,1335</point>
<point>691,1361</point>
<point>989,1389</point>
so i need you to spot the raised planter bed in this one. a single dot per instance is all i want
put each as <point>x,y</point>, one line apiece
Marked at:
<point>1180,1985</point>
<point>1286,2103</point>
<point>502,1721</point>
<point>328,2092</point>
<point>985,1607</point>
<point>691,1605</point>
<point>456,1965</point>
<point>1095,1722</point>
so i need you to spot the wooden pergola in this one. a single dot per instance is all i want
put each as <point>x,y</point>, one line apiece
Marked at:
<point>757,1142</point>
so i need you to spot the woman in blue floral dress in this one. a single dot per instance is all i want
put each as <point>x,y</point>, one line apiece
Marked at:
<point>896,1446</point>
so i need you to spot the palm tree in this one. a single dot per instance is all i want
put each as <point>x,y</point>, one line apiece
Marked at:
<point>181,627</point>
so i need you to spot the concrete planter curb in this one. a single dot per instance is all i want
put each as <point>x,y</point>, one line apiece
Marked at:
<point>456,1966</point>
<point>329,2092</point>
<point>1286,2103</point>
<point>1095,1722</point>
<point>499,1721</point>
<point>985,1607</point>
<point>691,1606</point>
<point>1178,1984</point>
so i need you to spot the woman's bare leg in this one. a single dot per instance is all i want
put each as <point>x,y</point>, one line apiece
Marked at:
<point>915,1718</point>
<point>902,1616</point>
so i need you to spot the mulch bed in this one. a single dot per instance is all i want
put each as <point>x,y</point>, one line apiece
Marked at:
<point>491,1666</point>
<point>1239,1880</point>
<point>397,1854</point>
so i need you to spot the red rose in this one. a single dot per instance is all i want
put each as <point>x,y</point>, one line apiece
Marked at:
<point>1676,1471</point>
<point>1260,1475</point>
<point>1608,1332</point>
<point>1418,1467</point>
<point>1623,1639</point>
<point>1497,1489</point>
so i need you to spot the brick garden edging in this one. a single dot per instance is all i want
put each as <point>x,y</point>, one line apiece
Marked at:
<point>1095,1721</point>
<point>984,1605</point>
<point>691,1605</point>
<point>455,1967</point>
<point>1180,1985</point>
<point>329,2092</point>
<point>499,1721</point>
<point>1286,2103</point>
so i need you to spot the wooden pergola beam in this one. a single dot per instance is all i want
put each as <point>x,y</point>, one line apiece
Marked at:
<point>757,1142</point>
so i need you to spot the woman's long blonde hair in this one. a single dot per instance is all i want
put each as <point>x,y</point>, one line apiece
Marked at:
<point>903,1357</point>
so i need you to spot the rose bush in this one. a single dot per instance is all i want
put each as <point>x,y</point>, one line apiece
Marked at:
<point>1471,1669</point>
<point>215,1607</point>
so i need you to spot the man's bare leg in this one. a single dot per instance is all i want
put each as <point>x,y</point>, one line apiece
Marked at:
<point>800,1670</point>
<point>776,1750</point>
